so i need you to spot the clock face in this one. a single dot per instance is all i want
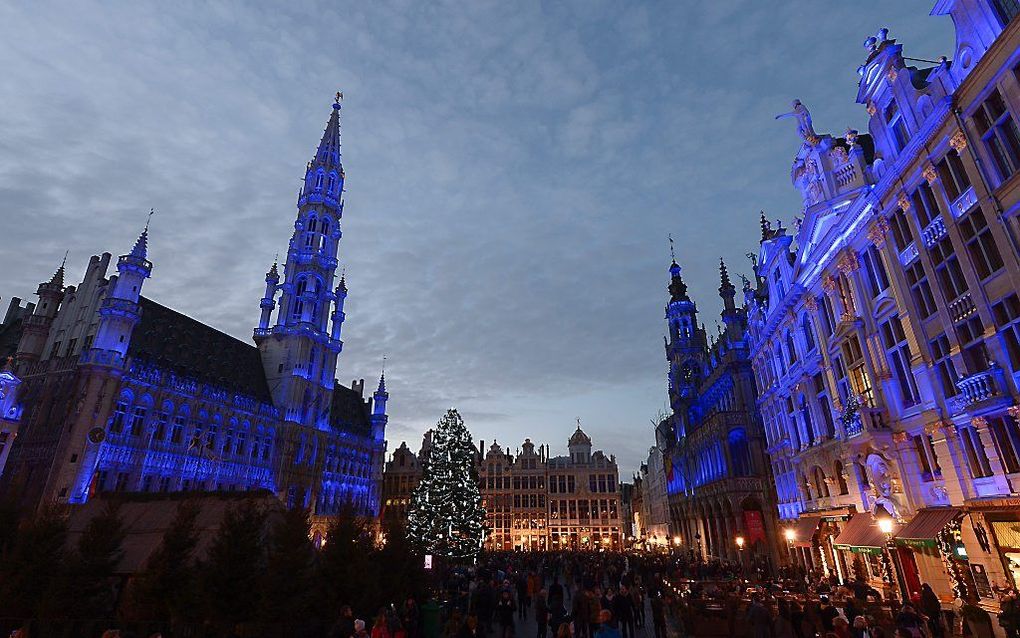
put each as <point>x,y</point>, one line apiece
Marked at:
<point>96,435</point>
<point>687,373</point>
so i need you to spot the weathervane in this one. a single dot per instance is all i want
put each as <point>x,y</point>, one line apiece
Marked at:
<point>339,96</point>
<point>152,211</point>
<point>672,254</point>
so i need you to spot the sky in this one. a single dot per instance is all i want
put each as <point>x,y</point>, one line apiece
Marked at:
<point>513,172</point>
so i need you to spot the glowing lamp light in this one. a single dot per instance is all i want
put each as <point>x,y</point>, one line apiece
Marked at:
<point>740,542</point>
<point>885,524</point>
<point>790,535</point>
<point>676,541</point>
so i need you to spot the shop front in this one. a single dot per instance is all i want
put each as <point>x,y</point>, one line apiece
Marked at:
<point>865,547</point>
<point>930,550</point>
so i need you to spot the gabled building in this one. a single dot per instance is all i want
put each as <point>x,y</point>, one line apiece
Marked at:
<point>885,327</point>
<point>121,393</point>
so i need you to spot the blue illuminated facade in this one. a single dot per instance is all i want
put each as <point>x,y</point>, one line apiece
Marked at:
<point>120,393</point>
<point>884,325</point>
<point>717,476</point>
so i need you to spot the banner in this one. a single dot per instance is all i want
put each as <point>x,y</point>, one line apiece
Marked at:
<point>754,526</point>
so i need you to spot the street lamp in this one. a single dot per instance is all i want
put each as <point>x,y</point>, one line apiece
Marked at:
<point>740,550</point>
<point>885,525</point>
<point>790,537</point>
<point>740,543</point>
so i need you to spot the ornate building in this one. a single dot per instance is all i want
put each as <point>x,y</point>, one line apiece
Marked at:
<point>121,393</point>
<point>400,477</point>
<point>886,328</point>
<point>718,478</point>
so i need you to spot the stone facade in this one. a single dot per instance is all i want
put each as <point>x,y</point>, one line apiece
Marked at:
<point>885,330</point>
<point>718,480</point>
<point>120,393</point>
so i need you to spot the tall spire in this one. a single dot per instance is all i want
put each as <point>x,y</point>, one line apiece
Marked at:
<point>57,279</point>
<point>724,278</point>
<point>328,153</point>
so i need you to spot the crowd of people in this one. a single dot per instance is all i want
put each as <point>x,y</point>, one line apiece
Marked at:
<point>606,595</point>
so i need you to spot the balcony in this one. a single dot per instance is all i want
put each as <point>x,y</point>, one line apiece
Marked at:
<point>964,203</point>
<point>871,420</point>
<point>962,307</point>
<point>933,232</point>
<point>908,254</point>
<point>980,387</point>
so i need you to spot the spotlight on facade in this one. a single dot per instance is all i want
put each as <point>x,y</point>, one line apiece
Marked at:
<point>790,535</point>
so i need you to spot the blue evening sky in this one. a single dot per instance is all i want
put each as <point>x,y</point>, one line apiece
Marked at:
<point>513,169</point>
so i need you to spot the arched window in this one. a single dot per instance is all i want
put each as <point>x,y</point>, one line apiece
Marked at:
<point>781,360</point>
<point>805,413</point>
<point>740,454</point>
<point>821,487</point>
<point>841,479</point>
<point>332,182</point>
<point>809,333</point>
<point>318,180</point>
<point>791,348</point>
<point>324,226</point>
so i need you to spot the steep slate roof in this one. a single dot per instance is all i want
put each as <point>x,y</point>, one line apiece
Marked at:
<point>190,348</point>
<point>349,412</point>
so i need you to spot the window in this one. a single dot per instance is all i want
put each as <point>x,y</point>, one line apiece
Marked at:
<point>920,289</point>
<point>809,333</point>
<point>897,127</point>
<point>791,348</point>
<point>927,460</point>
<point>859,378</point>
<point>947,269</point>
<point>925,205</point>
<point>119,414</point>
<point>823,404</point>
<point>178,429</point>
<point>999,134</point>
<point>1007,441</point>
<point>161,423</point>
<point>1007,320</point>
<point>900,229</point>
<point>839,371</point>
<point>828,315</point>
<point>944,365</point>
<point>980,244</point>
<point>976,457</point>
<point>878,278</point>
<point>777,278</point>
<point>954,177</point>
<point>897,352</point>
<point>138,420</point>
<point>970,333</point>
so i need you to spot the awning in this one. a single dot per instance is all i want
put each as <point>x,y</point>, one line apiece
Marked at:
<point>861,535</point>
<point>804,529</point>
<point>925,526</point>
<point>1007,533</point>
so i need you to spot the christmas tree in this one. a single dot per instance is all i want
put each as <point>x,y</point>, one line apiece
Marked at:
<point>446,516</point>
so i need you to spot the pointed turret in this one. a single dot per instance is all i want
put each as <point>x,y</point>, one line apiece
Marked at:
<point>726,289</point>
<point>328,154</point>
<point>36,328</point>
<point>379,418</point>
<point>120,311</point>
<point>677,287</point>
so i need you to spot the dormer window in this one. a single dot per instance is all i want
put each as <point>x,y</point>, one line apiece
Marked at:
<point>1006,10</point>
<point>777,278</point>
<point>897,126</point>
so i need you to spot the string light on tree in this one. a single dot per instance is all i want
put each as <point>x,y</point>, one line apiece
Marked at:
<point>446,517</point>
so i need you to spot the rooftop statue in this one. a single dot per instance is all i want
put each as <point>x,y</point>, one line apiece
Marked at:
<point>803,116</point>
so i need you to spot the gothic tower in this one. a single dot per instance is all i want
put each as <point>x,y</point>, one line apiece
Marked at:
<point>685,346</point>
<point>299,352</point>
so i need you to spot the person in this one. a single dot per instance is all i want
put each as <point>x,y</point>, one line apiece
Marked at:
<point>658,615</point>
<point>523,601</point>
<point>344,625</point>
<point>541,613</point>
<point>505,609</point>
<point>841,627</point>
<point>827,613</point>
<point>470,628</point>
<point>931,607</point>
<point>782,625</point>
<point>623,611</point>
<point>908,620</point>
<point>359,629</point>
<point>860,628</point>
<point>797,620</point>
<point>409,617</point>
<point>564,630</point>
<point>453,624</point>
<point>758,618</point>
<point>1009,614</point>
<point>606,628</point>
<point>579,609</point>
<point>555,592</point>
<point>381,627</point>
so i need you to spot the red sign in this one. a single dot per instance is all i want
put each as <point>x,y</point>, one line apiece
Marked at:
<point>754,526</point>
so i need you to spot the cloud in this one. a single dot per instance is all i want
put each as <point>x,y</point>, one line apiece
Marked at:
<point>513,170</point>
